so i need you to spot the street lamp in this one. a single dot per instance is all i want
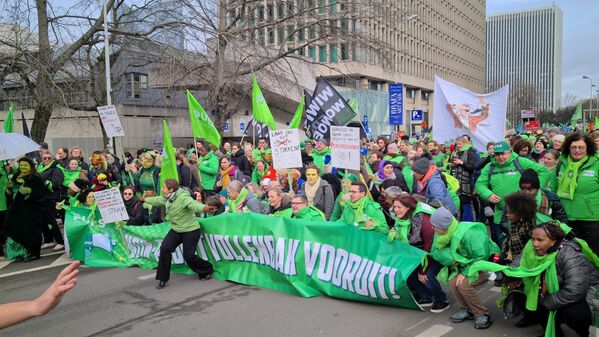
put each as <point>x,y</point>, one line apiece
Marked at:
<point>590,101</point>
<point>408,119</point>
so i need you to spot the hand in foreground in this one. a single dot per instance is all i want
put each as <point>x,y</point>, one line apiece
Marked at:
<point>65,281</point>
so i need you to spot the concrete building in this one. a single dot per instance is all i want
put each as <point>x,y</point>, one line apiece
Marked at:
<point>524,51</point>
<point>420,39</point>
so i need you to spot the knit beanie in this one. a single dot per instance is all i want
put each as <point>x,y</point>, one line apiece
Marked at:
<point>530,179</point>
<point>559,138</point>
<point>421,165</point>
<point>442,218</point>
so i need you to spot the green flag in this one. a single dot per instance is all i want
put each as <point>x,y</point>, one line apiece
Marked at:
<point>8,122</point>
<point>297,118</point>
<point>596,123</point>
<point>576,116</point>
<point>260,109</point>
<point>201,125</point>
<point>168,169</point>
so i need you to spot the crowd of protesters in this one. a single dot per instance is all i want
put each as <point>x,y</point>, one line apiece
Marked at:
<point>526,202</point>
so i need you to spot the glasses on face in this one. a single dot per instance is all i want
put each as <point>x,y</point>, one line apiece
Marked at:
<point>298,203</point>
<point>578,148</point>
<point>127,193</point>
<point>46,158</point>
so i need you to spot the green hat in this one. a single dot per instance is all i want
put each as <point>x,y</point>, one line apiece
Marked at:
<point>502,147</point>
<point>350,176</point>
<point>302,145</point>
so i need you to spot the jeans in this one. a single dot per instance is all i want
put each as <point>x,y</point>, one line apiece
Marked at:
<point>432,289</point>
<point>467,212</point>
<point>190,243</point>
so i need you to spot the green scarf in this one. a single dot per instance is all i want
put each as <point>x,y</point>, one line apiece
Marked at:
<point>569,180</point>
<point>358,207</point>
<point>402,230</point>
<point>41,167</point>
<point>445,239</point>
<point>240,198</point>
<point>69,176</point>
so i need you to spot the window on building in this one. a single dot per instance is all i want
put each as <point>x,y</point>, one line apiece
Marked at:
<point>344,52</point>
<point>311,33</point>
<point>411,93</point>
<point>261,13</point>
<point>291,33</point>
<point>333,57</point>
<point>271,12</point>
<point>322,7</point>
<point>290,7</point>
<point>281,35</point>
<point>322,54</point>
<point>136,84</point>
<point>301,35</point>
<point>302,52</point>
<point>271,35</point>
<point>312,53</point>
<point>333,6</point>
<point>281,10</point>
<point>424,95</point>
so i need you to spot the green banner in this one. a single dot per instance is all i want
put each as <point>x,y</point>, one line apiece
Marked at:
<point>292,256</point>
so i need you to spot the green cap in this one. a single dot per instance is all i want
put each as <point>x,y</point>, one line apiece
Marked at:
<point>502,147</point>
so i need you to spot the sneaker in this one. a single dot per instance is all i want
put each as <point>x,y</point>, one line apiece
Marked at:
<point>462,315</point>
<point>205,277</point>
<point>424,303</point>
<point>58,247</point>
<point>48,245</point>
<point>161,284</point>
<point>439,307</point>
<point>483,321</point>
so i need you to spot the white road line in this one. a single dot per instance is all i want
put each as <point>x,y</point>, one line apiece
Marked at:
<point>53,253</point>
<point>435,331</point>
<point>5,263</point>
<point>146,277</point>
<point>35,269</point>
<point>417,324</point>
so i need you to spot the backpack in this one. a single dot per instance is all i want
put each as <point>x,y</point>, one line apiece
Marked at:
<point>492,168</point>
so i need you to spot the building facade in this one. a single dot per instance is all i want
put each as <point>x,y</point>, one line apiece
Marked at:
<point>370,44</point>
<point>524,51</point>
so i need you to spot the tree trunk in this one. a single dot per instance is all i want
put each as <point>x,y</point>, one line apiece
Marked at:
<point>43,90</point>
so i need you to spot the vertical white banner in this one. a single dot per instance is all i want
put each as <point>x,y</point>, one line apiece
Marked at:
<point>345,147</point>
<point>459,111</point>
<point>286,152</point>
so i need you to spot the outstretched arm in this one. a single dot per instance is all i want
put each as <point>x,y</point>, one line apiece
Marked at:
<point>16,312</point>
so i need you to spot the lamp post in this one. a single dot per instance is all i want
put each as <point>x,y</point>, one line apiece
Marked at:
<point>409,118</point>
<point>590,101</point>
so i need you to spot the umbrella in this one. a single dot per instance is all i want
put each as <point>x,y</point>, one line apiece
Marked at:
<point>13,145</point>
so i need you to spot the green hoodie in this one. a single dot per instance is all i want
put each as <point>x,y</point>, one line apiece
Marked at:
<point>208,168</point>
<point>318,157</point>
<point>310,213</point>
<point>181,211</point>
<point>506,180</point>
<point>372,211</point>
<point>585,204</point>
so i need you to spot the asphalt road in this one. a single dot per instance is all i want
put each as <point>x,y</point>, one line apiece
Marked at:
<point>124,302</point>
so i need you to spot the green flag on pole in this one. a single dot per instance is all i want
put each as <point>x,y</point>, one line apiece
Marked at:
<point>168,169</point>
<point>201,125</point>
<point>8,122</point>
<point>576,116</point>
<point>260,109</point>
<point>297,118</point>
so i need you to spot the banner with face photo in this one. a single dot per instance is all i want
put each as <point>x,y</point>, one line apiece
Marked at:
<point>459,111</point>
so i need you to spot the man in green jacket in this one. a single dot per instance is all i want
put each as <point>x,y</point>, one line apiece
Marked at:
<point>319,155</point>
<point>362,212</point>
<point>457,246</point>
<point>502,177</point>
<point>301,209</point>
<point>208,168</point>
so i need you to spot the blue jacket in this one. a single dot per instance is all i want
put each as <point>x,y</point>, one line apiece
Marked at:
<point>436,190</point>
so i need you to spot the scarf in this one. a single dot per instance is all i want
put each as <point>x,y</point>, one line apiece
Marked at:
<point>380,174</point>
<point>402,230</point>
<point>311,190</point>
<point>237,204</point>
<point>445,239</point>
<point>568,182</point>
<point>70,176</point>
<point>41,168</point>
<point>225,178</point>
<point>358,207</point>
<point>431,171</point>
<point>170,199</point>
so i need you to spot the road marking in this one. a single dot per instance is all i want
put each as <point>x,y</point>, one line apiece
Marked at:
<point>435,331</point>
<point>417,324</point>
<point>53,253</point>
<point>146,277</point>
<point>60,263</point>
<point>5,263</point>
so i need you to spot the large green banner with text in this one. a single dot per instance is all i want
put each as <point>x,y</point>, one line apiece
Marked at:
<point>304,258</point>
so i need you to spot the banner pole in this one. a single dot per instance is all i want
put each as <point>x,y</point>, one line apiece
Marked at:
<point>120,146</point>
<point>290,182</point>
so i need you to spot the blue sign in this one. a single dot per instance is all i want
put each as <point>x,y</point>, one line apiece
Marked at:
<point>395,104</point>
<point>241,126</point>
<point>417,116</point>
<point>226,128</point>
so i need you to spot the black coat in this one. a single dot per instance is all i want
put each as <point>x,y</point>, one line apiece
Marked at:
<point>242,162</point>
<point>138,216</point>
<point>53,178</point>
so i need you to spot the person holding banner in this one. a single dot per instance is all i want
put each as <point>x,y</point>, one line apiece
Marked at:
<point>279,203</point>
<point>260,169</point>
<point>241,200</point>
<point>318,191</point>
<point>363,212</point>
<point>181,209</point>
<point>303,211</point>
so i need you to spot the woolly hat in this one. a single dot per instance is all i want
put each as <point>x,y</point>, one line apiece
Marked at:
<point>559,138</point>
<point>224,193</point>
<point>542,141</point>
<point>442,218</point>
<point>392,147</point>
<point>421,165</point>
<point>530,179</point>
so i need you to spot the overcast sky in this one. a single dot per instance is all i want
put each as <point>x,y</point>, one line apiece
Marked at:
<point>580,48</point>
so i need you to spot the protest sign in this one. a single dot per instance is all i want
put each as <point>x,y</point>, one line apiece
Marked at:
<point>345,147</point>
<point>302,258</point>
<point>111,206</point>
<point>286,152</point>
<point>459,111</point>
<point>111,122</point>
<point>326,108</point>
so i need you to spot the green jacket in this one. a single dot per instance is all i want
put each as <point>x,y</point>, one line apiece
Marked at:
<point>337,209</point>
<point>208,168</point>
<point>181,212</point>
<point>318,157</point>
<point>506,180</point>
<point>310,213</point>
<point>373,211</point>
<point>256,177</point>
<point>585,204</point>
<point>286,213</point>
<point>439,159</point>
<point>469,243</point>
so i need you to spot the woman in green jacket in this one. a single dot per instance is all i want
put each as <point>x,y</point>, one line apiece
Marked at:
<point>185,228</point>
<point>575,179</point>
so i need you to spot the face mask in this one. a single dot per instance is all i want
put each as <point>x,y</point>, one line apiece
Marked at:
<point>147,164</point>
<point>25,168</point>
<point>312,176</point>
